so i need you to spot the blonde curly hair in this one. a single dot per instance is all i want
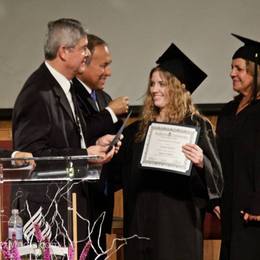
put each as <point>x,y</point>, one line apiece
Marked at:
<point>178,108</point>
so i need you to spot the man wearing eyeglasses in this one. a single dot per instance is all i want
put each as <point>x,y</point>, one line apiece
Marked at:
<point>46,119</point>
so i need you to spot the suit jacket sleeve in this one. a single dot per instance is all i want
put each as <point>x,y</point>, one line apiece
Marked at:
<point>5,153</point>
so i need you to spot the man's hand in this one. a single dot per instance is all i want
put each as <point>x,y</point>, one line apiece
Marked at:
<point>23,162</point>
<point>249,217</point>
<point>100,151</point>
<point>119,105</point>
<point>106,140</point>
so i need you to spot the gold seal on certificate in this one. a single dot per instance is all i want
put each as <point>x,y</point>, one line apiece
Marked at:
<point>163,147</point>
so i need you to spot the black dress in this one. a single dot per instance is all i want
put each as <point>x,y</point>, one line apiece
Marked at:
<point>239,148</point>
<point>165,207</point>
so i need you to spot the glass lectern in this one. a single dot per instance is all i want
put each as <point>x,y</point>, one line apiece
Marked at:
<point>48,196</point>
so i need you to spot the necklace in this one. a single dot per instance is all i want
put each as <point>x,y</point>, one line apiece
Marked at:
<point>242,105</point>
<point>245,102</point>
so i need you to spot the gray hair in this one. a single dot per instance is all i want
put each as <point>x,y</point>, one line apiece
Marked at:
<point>64,31</point>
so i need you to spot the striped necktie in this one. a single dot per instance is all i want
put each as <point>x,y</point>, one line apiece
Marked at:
<point>93,95</point>
<point>78,116</point>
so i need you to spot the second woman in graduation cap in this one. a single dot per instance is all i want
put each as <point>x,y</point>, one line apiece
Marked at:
<point>238,131</point>
<point>168,208</point>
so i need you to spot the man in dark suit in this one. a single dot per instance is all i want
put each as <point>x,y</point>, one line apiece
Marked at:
<point>44,115</point>
<point>90,84</point>
<point>92,80</point>
<point>46,118</point>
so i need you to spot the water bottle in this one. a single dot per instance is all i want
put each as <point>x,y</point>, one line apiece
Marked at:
<point>15,227</point>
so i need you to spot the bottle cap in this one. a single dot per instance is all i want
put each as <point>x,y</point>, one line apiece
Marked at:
<point>15,211</point>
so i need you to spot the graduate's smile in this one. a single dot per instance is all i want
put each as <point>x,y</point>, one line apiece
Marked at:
<point>159,90</point>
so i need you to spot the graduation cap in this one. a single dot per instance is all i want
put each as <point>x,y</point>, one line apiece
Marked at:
<point>250,51</point>
<point>177,63</point>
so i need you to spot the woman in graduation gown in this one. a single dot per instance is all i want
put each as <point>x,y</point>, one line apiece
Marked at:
<point>238,135</point>
<point>168,208</point>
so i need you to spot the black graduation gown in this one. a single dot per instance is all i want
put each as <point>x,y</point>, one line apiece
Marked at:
<point>168,208</point>
<point>239,148</point>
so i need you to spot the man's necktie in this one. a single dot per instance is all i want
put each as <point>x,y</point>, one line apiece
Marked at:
<point>93,95</point>
<point>94,98</point>
<point>75,103</point>
<point>78,115</point>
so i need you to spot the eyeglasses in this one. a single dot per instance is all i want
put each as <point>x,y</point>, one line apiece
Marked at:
<point>84,49</point>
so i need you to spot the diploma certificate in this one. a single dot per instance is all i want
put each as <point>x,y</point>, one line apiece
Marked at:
<point>163,147</point>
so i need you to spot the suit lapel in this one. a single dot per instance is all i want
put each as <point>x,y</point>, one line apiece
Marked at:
<point>59,93</point>
<point>84,96</point>
<point>102,102</point>
<point>66,106</point>
<point>63,100</point>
